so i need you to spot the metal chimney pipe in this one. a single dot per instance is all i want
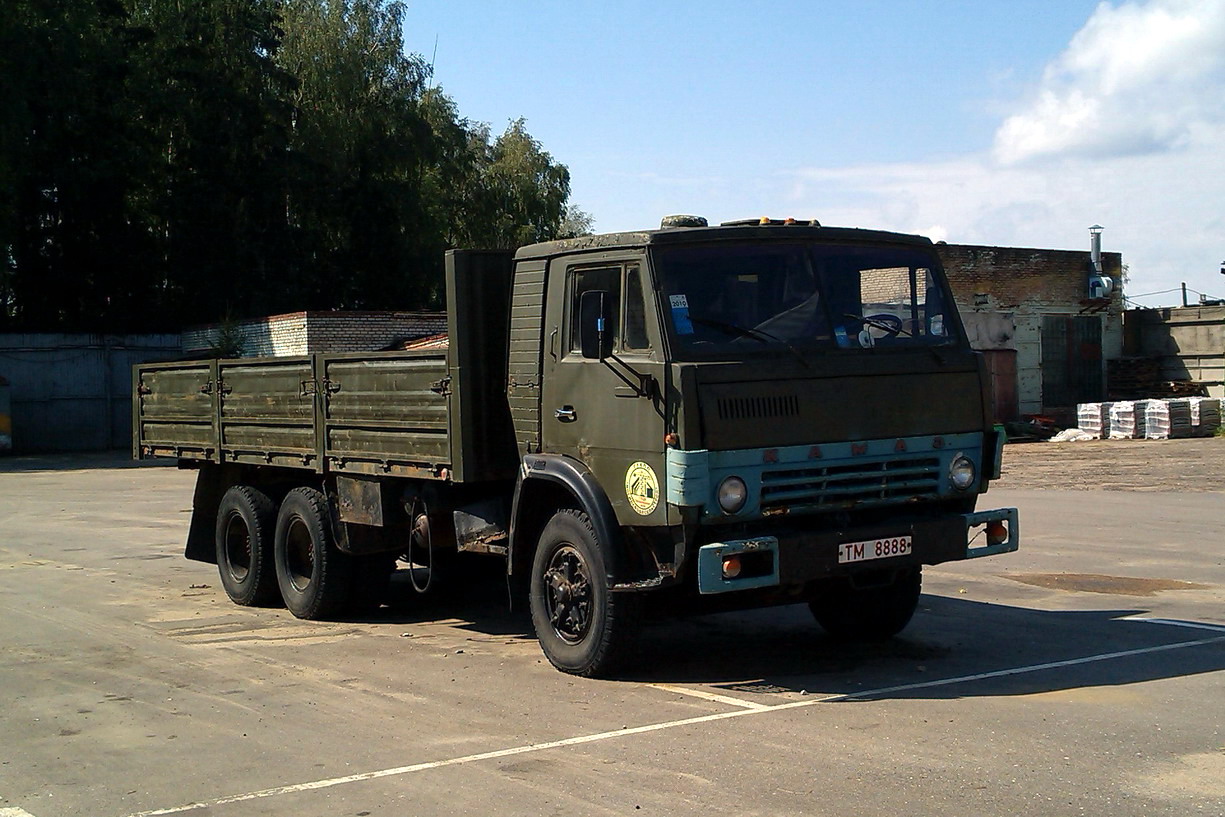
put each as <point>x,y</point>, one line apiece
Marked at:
<point>1095,247</point>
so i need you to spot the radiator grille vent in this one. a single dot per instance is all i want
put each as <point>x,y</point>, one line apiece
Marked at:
<point>847,485</point>
<point>754,408</point>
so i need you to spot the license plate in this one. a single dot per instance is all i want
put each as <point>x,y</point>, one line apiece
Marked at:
<point>874,549</point>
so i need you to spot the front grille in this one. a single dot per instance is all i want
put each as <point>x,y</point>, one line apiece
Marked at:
<point>843,485</point>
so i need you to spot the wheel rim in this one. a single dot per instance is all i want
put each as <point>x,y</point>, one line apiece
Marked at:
<point>567,590</point>
<point>299,555</point>
<point>237,547</point>
<point>420,538</point>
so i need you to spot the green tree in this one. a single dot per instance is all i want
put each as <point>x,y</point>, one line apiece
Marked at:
<point>167,162</point>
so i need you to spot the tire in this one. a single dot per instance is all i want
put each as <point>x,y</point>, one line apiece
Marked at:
<point>314,576</point>
<point>246,519</point>
<point>871,613</point>
<point>583,628</point>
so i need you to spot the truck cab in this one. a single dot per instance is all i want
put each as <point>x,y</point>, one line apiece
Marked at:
<point>747,414</point>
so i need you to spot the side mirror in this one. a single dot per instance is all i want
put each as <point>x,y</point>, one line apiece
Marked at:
<point>595,335</point>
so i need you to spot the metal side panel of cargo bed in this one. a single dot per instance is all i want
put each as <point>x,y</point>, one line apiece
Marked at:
<point>174,410</point>
<point>385,413</point>
<point>267,411</point>
<point>365,413</point>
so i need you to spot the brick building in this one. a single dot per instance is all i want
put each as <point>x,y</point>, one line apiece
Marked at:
<point>303,333</point>
<point>1031,312</point>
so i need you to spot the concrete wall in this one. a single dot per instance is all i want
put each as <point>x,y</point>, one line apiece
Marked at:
<point>302,333</point>
<point>1003,293</point>
<point>73,392</point>
<point>1189,342</point>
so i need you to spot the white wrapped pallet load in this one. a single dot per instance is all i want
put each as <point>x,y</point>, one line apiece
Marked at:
<point>1123,425</point>
<point>1157,420</point>
<point>1205,416</point>
<point>1094,419</point>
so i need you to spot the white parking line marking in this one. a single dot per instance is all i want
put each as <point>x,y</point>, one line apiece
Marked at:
<point>456,761</point>
<point>655,727</point>
<point>711,696</point>
<point>1004,673</point>
<point>1191,625</point>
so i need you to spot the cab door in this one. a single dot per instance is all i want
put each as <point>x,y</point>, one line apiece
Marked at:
<point>608,414</point>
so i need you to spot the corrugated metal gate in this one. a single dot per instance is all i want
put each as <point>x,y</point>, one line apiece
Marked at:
<point>73,392</point>
<point>1072,368</point>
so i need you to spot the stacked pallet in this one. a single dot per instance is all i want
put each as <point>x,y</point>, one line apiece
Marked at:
<point>1133,378</point>
<point>1127,419</point>
<point>1205,416</point>
<point>1184,388</point>
<point>1168,419</point>
<point>1155,419</point>
<point>1094,419</point>
<point>1129,378</point>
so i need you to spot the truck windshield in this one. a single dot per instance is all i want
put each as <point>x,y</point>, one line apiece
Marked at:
<point>722,299</point>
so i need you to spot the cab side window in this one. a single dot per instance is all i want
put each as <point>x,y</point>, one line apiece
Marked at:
<point>635,335</point>
<point>607,279</point>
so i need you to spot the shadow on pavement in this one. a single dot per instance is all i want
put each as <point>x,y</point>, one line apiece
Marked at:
<point>991,649</point>
<point>78,461</point>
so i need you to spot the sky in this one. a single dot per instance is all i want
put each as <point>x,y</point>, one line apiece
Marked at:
<point>1016,124</point>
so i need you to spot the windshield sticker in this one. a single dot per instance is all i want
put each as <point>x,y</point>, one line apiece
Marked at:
<point>680,314</point>
<point>642,488</point>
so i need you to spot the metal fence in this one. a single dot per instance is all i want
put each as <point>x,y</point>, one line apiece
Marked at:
<point>74,392</point>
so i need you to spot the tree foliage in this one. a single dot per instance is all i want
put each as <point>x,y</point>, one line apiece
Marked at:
<point>167,162</point>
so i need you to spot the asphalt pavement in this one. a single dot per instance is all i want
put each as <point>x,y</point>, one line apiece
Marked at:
<point>1084,674</point>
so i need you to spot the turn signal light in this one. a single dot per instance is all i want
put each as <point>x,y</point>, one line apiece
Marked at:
<point>731,567</point>
<point>997,533</point>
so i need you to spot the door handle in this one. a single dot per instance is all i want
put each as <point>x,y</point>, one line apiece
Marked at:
<point>566,414</point>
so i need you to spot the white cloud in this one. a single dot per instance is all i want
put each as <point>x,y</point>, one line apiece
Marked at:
<point>1137,78</point>
<point>1164,212</point>
<point>1126,129</point>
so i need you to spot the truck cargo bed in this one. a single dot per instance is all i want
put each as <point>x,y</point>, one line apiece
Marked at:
<point>428,413</point>
<point>373,413</point>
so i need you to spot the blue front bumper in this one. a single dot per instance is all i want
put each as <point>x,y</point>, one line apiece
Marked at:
<point>795,558</point>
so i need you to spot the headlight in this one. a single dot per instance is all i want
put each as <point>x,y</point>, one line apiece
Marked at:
<point>732,494</point>
<point>962,472</point>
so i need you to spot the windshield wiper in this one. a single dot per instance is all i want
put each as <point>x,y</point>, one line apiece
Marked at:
<point>759,335</point>
<point>734,329</point>
<point>893,327</point>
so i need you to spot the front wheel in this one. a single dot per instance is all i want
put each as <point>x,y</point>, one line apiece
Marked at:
<point>583,627</point>
<point>872,613</point>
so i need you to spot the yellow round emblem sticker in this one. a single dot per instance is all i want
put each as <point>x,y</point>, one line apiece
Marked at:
<point>642,488</point>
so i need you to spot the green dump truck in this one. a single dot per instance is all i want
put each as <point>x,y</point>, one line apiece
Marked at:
<point>683,419</point>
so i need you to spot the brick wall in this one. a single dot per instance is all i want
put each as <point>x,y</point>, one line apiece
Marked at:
<point>302,333</point>
<point>1003,293</point>
<point>1012,277</point>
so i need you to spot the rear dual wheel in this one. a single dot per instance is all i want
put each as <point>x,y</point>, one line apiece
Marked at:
<point>246,520</point>
<point>313,574</point>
